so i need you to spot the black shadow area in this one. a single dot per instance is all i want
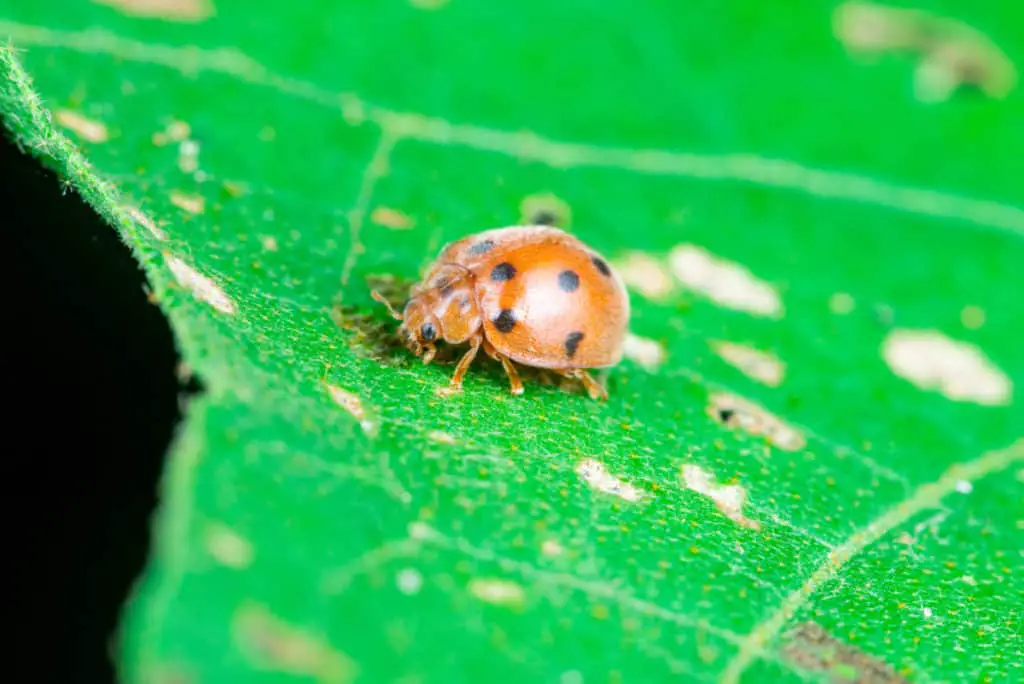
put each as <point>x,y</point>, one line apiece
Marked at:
<point>92,400</point>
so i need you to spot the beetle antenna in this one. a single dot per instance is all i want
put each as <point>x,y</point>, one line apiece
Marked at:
<point>380,298</point>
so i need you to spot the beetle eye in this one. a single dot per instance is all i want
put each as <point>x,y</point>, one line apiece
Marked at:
<point>428,332</point>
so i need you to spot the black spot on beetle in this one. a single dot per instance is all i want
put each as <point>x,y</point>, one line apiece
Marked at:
<point>482,247</point>
<point>572,343</point>
<point>602,266</point>
<point>502,272</point>
<point>505,321</point>
<point>447,289</point>
<point>464,304</point>
<point>568,281</point>
<point>428,332</point>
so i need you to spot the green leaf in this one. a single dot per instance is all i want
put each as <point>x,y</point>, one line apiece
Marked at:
<point>810,465</point>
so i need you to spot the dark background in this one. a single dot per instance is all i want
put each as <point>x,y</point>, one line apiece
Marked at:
<point>91,379</point>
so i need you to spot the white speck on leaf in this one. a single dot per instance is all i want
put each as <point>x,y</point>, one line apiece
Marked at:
<point>957,370</point>
<point>86,128</point>
<point>927,612</point>
<point>755,364</point>
<point>193,204</point>
<point>498,591</point>
<point>410,581</point>
<point>648,353</point>
<point>176,131</point>
<point>551,548</point>
<point>964,487</point>
<point>441,437</point>
<point>724,282</point>
<point>730,499</point>
<point>202,287</point>
<point>351,402</point>
<point>645,274</point>
<point>571,677</point>
<point>147,223</point>
<point>736,411</point>
<point>188,156</point>
<point>597,476</point>
<point>269,243</point>
<point>420,531</point>
<point>228,547</point>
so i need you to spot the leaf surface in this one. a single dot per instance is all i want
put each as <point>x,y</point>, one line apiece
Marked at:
<point>810,465</point>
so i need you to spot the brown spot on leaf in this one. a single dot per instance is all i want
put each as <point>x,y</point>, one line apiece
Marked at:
<point>810,647</point>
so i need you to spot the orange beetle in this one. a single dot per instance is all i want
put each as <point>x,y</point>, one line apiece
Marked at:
<point>534,295</point>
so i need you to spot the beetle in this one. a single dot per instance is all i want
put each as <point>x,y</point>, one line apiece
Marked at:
<point>533,295</point>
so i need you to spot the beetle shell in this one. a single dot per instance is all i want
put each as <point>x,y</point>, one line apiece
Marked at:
<point>546,299</point>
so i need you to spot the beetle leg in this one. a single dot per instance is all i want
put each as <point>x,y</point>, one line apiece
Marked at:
<point>595,389</point>
<point>428,354</point>
<point>460,370</point>
<point>506,363</point>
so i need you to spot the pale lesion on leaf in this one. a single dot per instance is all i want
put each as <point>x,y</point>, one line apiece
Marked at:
<point>958,370</point>
<point>169,10</point>
<point>228,547</point>
<point>498,591</point>
<point>191,203</point>
<point>270,643</point>
<point>596,474</point>
<point>86,128</point>
<point>724,282</point>
<point>202,287</point>
<point>645,274</point>
<point>730,498</point>
<point>762,366</point>
<point>650,354</point>
<point>950,54</point>
<point>356,407</point>
<point>736,412</point>
<point>140,218</point>
<point>392,218</point>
